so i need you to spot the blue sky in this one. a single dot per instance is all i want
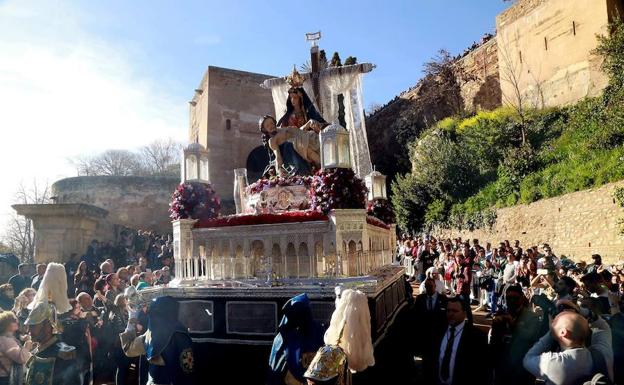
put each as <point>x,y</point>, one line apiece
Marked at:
<point>80,77</point>
<point>177,40</point>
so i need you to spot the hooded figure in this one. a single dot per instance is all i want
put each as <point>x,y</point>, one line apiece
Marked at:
<point>348,346</point>
<point>53,289</point>
<point>294,346</point>
<point>166,344</point>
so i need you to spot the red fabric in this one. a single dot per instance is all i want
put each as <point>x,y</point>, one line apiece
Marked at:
<point>376,222</point>
<point>262,219</point>
<point>294,121</point>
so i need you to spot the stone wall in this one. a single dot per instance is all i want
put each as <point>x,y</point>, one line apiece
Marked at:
<point>132,201</point>
<point>576,225</point>
<point>224,118</point>
<point>482,91</point>
<point>545,50</point>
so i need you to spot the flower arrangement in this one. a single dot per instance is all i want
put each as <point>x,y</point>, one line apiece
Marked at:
<point>337,188</point>
<point>194,200</point>
<point>382,210</point>
<point>266,183</point>
<point>262,219</point>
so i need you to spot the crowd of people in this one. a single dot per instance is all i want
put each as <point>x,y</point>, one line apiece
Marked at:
<point>96,282</point>
<point>553,321</point>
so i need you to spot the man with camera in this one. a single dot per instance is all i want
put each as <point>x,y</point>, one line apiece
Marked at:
<point>513,333</point>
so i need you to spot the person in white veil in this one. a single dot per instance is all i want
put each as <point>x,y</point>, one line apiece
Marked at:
<point>53,289</point>
<point>348,346</point>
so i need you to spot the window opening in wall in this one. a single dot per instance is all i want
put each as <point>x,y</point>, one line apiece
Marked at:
<point>574,28</point>
<point>546,44</point>
<point>228,124</point>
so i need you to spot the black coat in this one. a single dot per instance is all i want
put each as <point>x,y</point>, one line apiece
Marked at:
<point>471,359</point>
<point>430,320</point>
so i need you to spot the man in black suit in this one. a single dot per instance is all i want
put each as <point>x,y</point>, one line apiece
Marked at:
<point>430,309</point>
<point>459,355</point>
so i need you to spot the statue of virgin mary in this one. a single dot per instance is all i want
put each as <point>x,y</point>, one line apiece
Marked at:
<point>300,114</point>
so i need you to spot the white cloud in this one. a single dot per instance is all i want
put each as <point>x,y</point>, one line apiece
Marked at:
<point>65,92</point>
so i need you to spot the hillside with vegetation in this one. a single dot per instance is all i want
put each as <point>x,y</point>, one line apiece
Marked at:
<point>463,168</point>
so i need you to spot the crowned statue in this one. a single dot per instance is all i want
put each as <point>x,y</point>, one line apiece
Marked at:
<point>293,140</point>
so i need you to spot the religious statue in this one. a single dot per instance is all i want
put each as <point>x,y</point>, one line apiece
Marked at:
<point>295,150</point>
<point>293,141</point>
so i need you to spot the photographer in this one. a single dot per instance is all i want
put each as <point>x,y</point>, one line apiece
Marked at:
<point>513,333</point>
<point>576,360</point>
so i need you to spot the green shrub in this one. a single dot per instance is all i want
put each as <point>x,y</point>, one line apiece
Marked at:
<point>436,213</point>
<point>468,167</point>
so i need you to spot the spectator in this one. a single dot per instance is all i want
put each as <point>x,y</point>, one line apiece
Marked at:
<point>429,309</point>
<point>595,267</point>
<point>90,257</point>
<point>99,300</point>
<point>425,259</point>
<point>144,281</point>
<point>36,279</point>
<point>118,317</point>
<point>574,362</point>
<point>131,271</point>
<point>7,297</point>
<point>488,283</point>
<point>90,312</point>
<point>464,260</point>
<point>84,279</point>
<point>77,333</point>
<point>112,288</point>
<point>123,275</point>
<point>134,281</point>
<point>434,274</point>
<point>13,356</point>
<point>452,359</point>
<point>512,334</point>
<point>565,288</point>
<point>21,280</point>
<point>594,284</point>
<point>165,276</point>
<point>142,268</point>
<point>549,261</point>
<point>106,268</point>
<point>616,322</point>
<point>20,309</point>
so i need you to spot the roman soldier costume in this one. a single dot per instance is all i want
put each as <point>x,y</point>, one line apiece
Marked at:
<point>53,362</point>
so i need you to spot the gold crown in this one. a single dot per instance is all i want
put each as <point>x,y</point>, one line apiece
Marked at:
<point>295,79</point>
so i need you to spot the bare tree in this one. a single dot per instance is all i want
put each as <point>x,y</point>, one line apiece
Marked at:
<point>20,236</point>
<point>110,162</point>
<point>539,101</point>
<point>161,157</point>
<point>511,72</point>
<point>372,108</point>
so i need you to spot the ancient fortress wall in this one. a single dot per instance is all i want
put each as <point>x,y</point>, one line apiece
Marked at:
<point>132,201</point>
<point>481,90</point>
<point>228,105</point>
<point>545,50</point>
<point>576,225</point>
